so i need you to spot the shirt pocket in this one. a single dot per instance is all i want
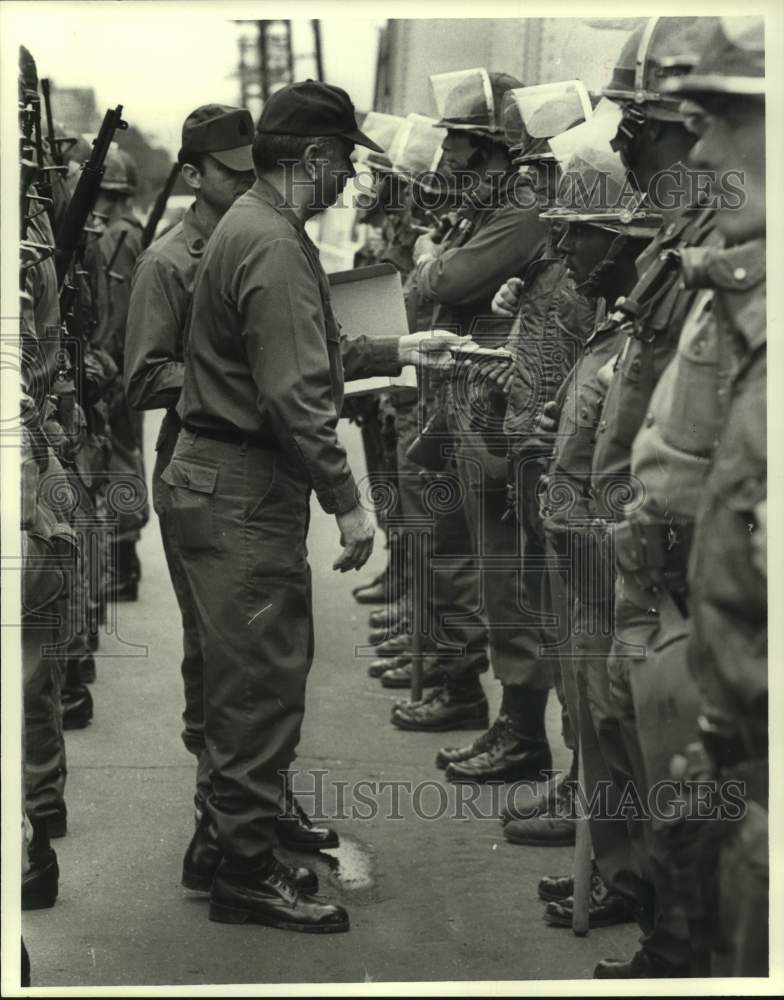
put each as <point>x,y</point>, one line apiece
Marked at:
<point>192,503</point>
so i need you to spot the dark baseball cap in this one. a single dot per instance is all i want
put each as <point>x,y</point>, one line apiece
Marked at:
<point>224,132</point>
<point>312,108</point>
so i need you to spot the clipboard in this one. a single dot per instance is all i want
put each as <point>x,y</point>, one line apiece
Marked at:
<point>369,301</point>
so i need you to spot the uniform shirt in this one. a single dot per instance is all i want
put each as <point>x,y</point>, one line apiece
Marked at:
<point>263,351</point>
<point>161,292</point>
<point>644,354</point>
<point>115,289</point>
<point>728,646</point>
<point>489,245</point>
<point>672,453</point>
<point>581,399</point>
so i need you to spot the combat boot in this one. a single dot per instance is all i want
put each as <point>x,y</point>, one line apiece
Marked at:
<point>374,592</point>
<point>451,755</point>
<point>390,617</point>
<point>556,827</point>
<point>393,646</point>
<point>40,883</point>
<point>296,831</point>
<point>510,757</point>
<point>268,896</point>
<point>545,801</point>
<point>444,708</point>
<point>605,908</point>
<point>204,855</point>
<point>400,675</point>
<point>384,663</point>
<point>642,965</point>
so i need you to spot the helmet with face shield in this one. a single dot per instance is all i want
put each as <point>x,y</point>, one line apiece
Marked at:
<point>533,115</point>
<point>470,100</point>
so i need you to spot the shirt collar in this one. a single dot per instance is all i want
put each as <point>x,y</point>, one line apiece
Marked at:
<point>195,232</point>
<point>271,196</point>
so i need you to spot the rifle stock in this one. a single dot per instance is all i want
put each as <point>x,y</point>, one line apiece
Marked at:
<point>82,201</point>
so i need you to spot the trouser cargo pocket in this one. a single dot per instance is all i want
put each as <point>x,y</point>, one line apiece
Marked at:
<point>192,489</point>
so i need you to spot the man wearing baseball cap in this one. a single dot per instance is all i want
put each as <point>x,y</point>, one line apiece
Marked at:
<point>217,166</point>
<point>263,388</point>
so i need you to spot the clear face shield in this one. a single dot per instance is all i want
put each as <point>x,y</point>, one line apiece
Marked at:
<point>535,113</point>
<point>464,99</point>
<point>416,148</point>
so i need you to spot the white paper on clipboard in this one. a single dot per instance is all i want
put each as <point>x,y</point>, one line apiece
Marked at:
<point>369,300</point>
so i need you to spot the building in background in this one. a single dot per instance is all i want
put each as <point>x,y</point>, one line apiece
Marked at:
<point>536,50</point>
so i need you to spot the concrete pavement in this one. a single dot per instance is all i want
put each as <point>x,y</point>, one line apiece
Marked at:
<point>446,899</point>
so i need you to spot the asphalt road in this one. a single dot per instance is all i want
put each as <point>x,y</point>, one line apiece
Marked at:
<point>440,899</point>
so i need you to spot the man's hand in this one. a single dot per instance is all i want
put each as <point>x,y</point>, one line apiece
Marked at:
<point>548,422</point>
<point>506,301</point>
<point>429,348</point>
<point>356,537</point>
<point>606,372</point>
<point>425,249</point>
<point>501,375</point>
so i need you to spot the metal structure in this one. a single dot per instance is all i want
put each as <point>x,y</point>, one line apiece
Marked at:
<point>268,58</point>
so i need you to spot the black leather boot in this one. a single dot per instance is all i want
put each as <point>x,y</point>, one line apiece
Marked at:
<point>511,757</point>
<point>374,592</point>
<point>204,855</point>
<point>444,708</point>
<point>451,755</point>
<point>400,675</point>
<point>268,896</point>
<point>641,965</point>
<point>296,832</point>
<point>380,666</point>
<point>40,883</point>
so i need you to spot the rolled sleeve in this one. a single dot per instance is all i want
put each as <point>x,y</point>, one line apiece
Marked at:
<point>157,312</point>
<point>282,323</point>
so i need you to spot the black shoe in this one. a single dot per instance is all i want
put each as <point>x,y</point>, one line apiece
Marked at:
<point>374,592</point>
<point>394,646</point>
<point>389,617</point>
<point>450,755</point>
<point>443,709</point>
<point>604,909</point>
<point>204,855</point>
<point>379,667</point>
<point>547,801</point>
<point>40,882</point>
<point>510,758</point>
<point>77,707</point>
<point>556,888</point>
<point>547,830</point>
<point>296,832</point>
<point>268,897</point>
<point>640,966</point>
<point>400,675</point>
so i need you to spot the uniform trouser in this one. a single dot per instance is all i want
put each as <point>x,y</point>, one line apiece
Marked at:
<point>240,515</point>
<point>44,760</point>
<point>508,569</point>
<point>192,666</point>
<point>636,630</point>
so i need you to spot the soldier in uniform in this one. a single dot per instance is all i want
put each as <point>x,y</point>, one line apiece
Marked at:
<point>262,389</point>
<point>726,863</point>
<point>498,234</point>
<point>118,248</point>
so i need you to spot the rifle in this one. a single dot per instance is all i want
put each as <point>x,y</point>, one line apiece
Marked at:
<point>79,207</point>
<point>51,140</point>
<point>159,207</point>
